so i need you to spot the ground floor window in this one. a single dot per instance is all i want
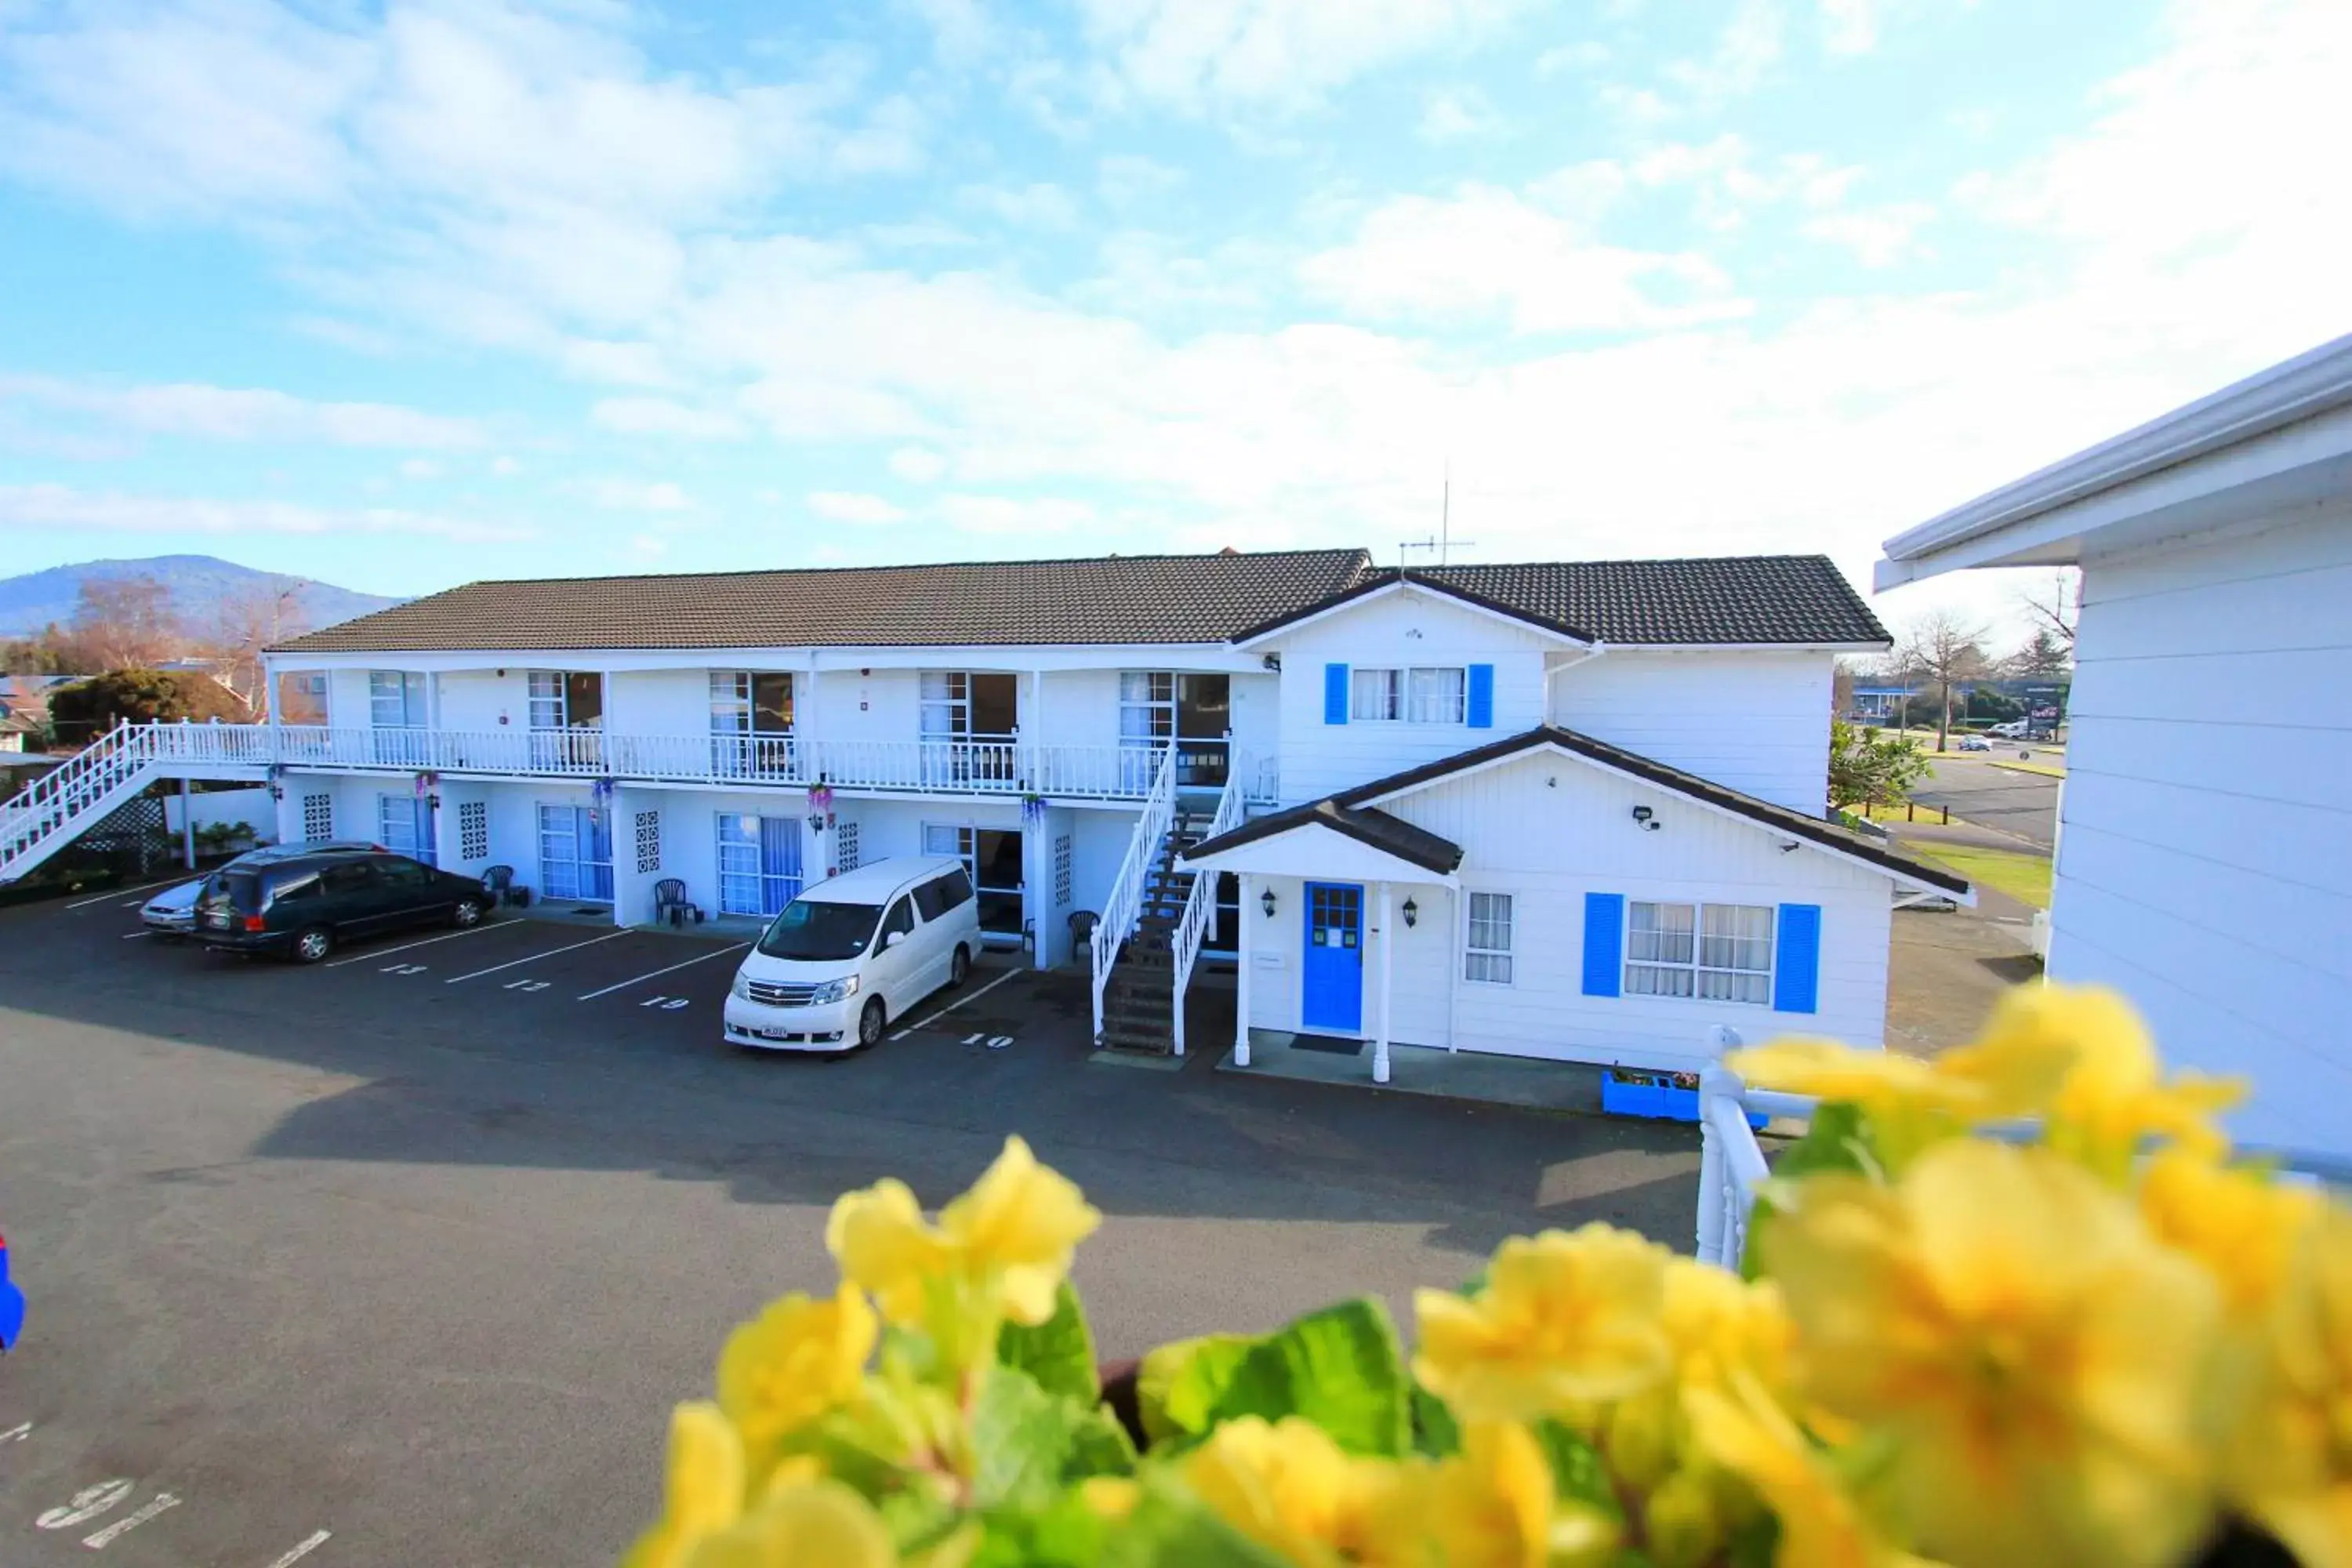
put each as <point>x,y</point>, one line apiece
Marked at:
<point>575,853</point>
<point>1715,952</point>
<point>404,825</point>
<point>993,856</point>
<point>1486,956</point>
<point>758,863</point>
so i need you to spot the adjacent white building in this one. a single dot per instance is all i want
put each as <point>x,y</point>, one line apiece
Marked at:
<point>2205,843</point>
<point>1571,810</point>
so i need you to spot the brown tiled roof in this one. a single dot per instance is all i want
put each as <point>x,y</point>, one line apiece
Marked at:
<point>1752,599</point>
<point>1354,806</point>
<point>1097,599</point>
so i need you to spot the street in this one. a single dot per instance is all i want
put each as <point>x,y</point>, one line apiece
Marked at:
<point>404,1259</point>
<point>2022,804</point>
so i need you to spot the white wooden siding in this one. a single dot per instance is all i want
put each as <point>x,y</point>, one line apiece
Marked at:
<point>657,702</point>
<point>1548,829</point>
<point>1755,719</point>
<point>2205,851</point>
<point>1397,631</point>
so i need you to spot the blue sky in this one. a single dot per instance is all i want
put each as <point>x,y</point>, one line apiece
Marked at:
<point>400,296</point>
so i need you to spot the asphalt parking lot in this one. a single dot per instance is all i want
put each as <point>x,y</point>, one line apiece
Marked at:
<point>405,1256</point>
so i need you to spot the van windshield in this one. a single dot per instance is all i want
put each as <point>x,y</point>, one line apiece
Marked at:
<point>808,928</point>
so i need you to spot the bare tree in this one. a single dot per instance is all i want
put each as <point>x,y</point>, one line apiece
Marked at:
<point>244,623</point>
<point>1944,650</point>
<point>126,622</point>
<point>2055,606</point>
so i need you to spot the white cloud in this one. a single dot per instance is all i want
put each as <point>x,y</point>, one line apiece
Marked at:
<point>238,414</point>
<point>661,416</point>
<point>53,506</point>
<point>1745,52</point>
<point>1202,55</point>
<point>917,464</point>
<point>1879,236</point>
<point>1858,26</point>
<point>960,30</point>
<point>1128,180</point>
<point>855,508</point>
<point>1457,114</point>
<point>505,467</point>
<point>1012,515</point>
<point>647,546</point>
<point>1039,205</point>
<point>1486,251</point>
<point>636,495</point>
<point>420,469</point>
<point>1589,55</point>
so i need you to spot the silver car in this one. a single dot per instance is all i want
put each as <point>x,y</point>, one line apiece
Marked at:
<point>171,914</point>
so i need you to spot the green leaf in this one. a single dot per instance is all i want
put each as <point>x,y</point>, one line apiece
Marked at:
<point>1838,1140</point>
<point>1577,1471</point>
<point>1435,1434</point>
<point>1058,1353</point>
<point>1178,1385</point>
<point>1169,1529</point>
<point>1065,1534</point>
<point>1340,1368</point>
<point>1030,1445</point>
<point>1755,1544</point>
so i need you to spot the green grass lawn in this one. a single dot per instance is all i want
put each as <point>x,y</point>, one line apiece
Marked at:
<point>2023,876</point>
<point>2044,769</point>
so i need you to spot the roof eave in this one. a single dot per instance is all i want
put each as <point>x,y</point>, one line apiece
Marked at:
<point>1349,598</point>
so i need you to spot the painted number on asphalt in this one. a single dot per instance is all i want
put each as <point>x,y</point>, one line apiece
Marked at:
<point>85,1504</point>
<point>528,984</point>
<point>16,1434</point>
<point>666,1003</point>
<point>993,1042</point>
<point>404,969</point>
<point>98,1540</point>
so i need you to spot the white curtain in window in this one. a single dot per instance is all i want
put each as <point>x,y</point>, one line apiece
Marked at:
<point>1489,955</point>
<point>1376,694</point>
<point>1435,697</point>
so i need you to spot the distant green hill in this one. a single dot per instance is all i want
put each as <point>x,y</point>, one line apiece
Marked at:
<point>198,584</point>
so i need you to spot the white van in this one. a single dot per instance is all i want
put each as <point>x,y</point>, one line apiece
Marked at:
<point>850,956</point>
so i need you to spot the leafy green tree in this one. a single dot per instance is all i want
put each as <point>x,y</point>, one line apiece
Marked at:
<point>1871,767</point>
<point>86,709</point>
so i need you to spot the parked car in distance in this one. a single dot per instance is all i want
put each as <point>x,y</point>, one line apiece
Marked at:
<point>12,1304</point>
<point>302,907</point>
<point>2013,730</point>
<point>171,913</point>
<point>851,953</point>
<point>1974,743</point>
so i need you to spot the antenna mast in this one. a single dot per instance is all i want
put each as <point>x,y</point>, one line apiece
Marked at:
<point>1440,543</point>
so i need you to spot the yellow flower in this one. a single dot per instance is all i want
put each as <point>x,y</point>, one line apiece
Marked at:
<point>1717,1322</point>
<point>2032,1352</point>
<point>1738,1426</point>
<point>2288,1462</point>
<point>1287,1486</point>
<point>1110,1497</point>
<point>1910,1103</point>
<point>883,1244</point>
<point>1023,1222</point>
<point>1563,1318</point>
<point>702,1489</point>
<point>795,1361</point>
<point>2247,1231</point>
<point>2117,1096</point>
<point>818,1524</point>
<point>1493,1506</point>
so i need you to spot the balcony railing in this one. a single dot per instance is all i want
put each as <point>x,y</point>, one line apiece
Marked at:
<point>1009,767</point>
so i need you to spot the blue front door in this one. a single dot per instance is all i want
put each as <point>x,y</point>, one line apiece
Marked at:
<point>1331,994</point>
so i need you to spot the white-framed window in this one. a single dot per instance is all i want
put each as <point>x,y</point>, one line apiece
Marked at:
<point>1486,951</point>
<point>1714,953</point>
<point>396,698</point>
<point>1437,694</point>
<point>547,700</point>
<point>946,711</point>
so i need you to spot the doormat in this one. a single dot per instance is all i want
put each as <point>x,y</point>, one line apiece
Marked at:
<point>1327,1047</point>
<point>592,910</point>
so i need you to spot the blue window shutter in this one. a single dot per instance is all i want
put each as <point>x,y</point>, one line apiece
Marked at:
<point>1604,943</point>
<point>1482,696</point>
<point>1797,974</point>
<point>1335,694</point>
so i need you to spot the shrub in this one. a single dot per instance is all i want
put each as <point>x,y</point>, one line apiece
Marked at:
<point>2111,1344</point>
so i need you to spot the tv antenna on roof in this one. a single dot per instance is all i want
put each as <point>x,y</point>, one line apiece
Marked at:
<point>1443,541</point>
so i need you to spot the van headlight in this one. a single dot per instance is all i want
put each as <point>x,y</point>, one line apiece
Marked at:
<point>743,987</point>
<point>839,990</point>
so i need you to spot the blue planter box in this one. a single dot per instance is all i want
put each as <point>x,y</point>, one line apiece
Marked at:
<point>1659,1101</point>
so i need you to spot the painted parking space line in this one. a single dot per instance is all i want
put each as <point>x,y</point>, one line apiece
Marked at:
<point>657,974</point>
<point>534,958</point>
<point>118,892</point>
<point>404,947</point>
<point>303,1548</point>
<point>1008,974</point>
<point>134,936</point>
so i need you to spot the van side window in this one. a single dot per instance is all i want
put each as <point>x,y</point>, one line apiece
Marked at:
<point>351,877</point>
<point>300,885</point>
<point>955,889</point>
<point>901,918</point>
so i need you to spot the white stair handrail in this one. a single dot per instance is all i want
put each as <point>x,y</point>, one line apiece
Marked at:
<point>1123,907</point>
<point>55,806</point>
<point>1201,908</point>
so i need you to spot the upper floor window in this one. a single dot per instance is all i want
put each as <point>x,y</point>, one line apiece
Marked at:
<point>1411,696</point>
<point>566,699</point>
<point>1715,952</point>
<point>302,697</point>
<point>750,702</point>
<point>396,698</point>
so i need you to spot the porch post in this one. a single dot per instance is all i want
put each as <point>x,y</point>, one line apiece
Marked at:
<point>1381,1040</point>
<point>805,732</point>
<point>187,824</point>
<point>1241,981</point>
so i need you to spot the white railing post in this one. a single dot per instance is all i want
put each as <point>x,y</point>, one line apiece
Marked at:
<point>1201,908</point>
<point>1714,1083</point>
<point>1125,904</point>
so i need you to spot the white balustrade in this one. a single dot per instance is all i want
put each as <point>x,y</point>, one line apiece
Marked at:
<point>1201,907</point>
<point>1123,907</point>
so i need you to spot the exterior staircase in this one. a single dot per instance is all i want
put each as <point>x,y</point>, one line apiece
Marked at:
<point>60,806</point>
<point>1139,1002</point>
